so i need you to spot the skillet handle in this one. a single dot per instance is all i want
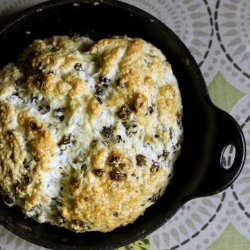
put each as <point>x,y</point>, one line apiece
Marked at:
<point>227,132</point>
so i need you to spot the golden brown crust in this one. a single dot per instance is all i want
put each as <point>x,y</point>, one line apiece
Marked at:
<point>167,102</point>
<point>94,107</point>
<point>16,179</point>
<point>140,104</point>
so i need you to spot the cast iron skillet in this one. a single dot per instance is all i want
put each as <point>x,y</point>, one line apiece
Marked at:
<point>207,129</point>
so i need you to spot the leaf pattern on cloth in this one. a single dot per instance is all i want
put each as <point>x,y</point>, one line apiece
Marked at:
<point>223,94</point>
<point>230,239</point>
<point>138,245</point>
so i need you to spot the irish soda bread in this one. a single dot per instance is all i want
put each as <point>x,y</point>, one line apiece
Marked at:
<point>89,132</point>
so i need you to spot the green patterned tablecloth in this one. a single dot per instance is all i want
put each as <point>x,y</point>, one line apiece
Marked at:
<point>218,34</point>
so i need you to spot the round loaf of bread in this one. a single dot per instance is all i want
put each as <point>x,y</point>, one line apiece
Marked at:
<point>89,131</point>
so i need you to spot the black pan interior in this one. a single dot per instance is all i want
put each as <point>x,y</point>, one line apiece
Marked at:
<point>104,20</point>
